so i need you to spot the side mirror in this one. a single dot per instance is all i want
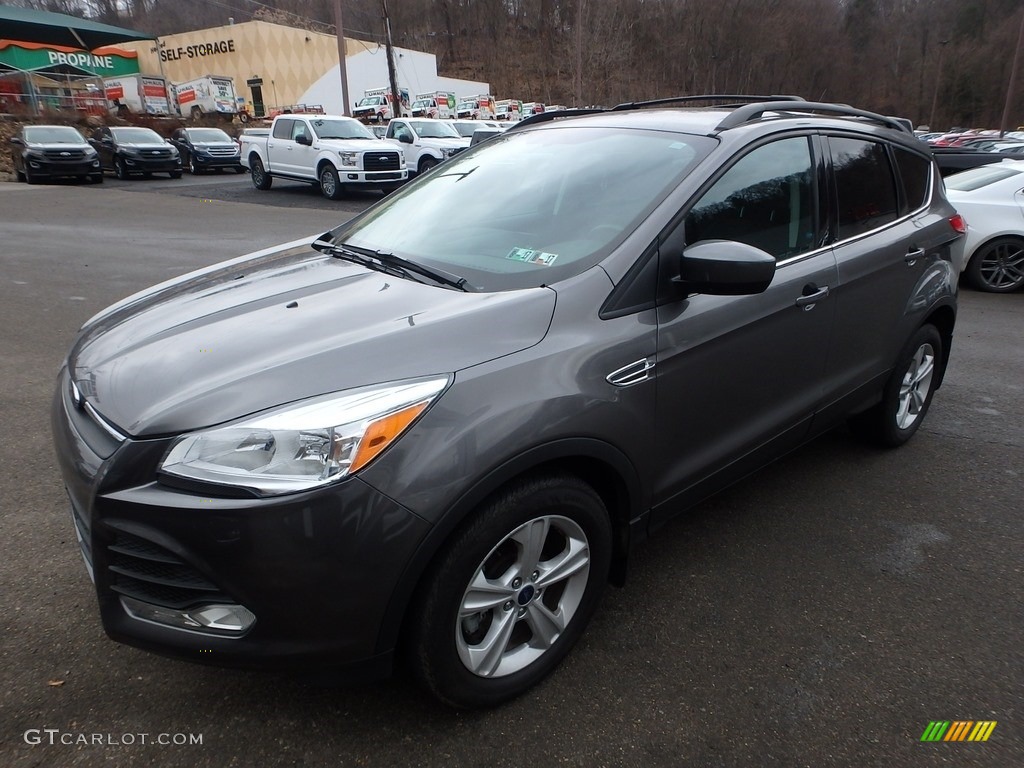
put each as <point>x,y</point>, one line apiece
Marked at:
<point>405,138</point>
<point>106,140</point>
<point>16,140</point>
<point>725,268</point>
<point>304,140</point>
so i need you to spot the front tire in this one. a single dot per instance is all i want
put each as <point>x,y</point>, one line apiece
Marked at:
<point>908,392</point>
<point>175,174</point>
<point>425,165</point>
<point>120,169</point>
<point>260,178</point>
<point>194,169</point>
<point>330,186</point>
<point>512,592</point>
<point>998,266</point>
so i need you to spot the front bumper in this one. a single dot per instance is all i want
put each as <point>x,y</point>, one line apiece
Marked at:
<point>372,178</point>
<point>142,164</point>
<point>57,169</point>
<point>316,569</point>
<point>213,161</point>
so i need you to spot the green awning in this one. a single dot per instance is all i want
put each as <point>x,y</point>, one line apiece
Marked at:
<point>59,29</point>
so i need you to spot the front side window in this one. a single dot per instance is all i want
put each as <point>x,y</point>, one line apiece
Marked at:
<point>865,186</point>
<point>766,200</point>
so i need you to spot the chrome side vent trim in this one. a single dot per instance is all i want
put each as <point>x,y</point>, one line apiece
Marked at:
<point>631,374</point>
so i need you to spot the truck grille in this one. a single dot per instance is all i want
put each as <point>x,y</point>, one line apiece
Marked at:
<point>380,161</point>
<point>148,572</point>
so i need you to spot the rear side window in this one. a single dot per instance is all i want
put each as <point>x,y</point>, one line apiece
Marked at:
<point>915,173</point>
<point>865,185</point>
<point>283,129</point>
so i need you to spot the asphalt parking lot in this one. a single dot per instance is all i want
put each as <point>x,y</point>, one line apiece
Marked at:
<point>821,613</point>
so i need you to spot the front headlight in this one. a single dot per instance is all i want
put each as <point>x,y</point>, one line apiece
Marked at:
<point>446,152</point>
<point>349,158</point>
<point>306,444</point>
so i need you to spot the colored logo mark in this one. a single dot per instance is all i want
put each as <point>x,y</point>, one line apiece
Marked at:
<point>958,730</point>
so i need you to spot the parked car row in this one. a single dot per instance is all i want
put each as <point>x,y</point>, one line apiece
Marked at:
<point>60,151</point>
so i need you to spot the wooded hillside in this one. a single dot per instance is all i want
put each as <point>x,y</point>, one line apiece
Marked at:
<point>893,56</point>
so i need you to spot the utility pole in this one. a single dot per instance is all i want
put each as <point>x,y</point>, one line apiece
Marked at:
<point>1012,87</point>
<point>938,78</point>
<point>579,54</point>
<point>396,97</point>
<point>346,108</point>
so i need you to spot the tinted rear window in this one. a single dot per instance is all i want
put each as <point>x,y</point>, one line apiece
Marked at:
<point>915,173</point>
<point>865,186</point>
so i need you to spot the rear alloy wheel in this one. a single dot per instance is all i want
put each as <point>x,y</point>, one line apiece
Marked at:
<point>908,392</point>
<point>998,266</point>
<point>330,187</point>
<point>260,178</point>
<point>512,592</point>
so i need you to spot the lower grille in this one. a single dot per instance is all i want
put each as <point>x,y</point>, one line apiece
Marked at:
<point>148,572</point>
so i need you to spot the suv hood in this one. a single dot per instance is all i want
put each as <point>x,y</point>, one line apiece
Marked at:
<point>282,326</point>
<point>57,145</point>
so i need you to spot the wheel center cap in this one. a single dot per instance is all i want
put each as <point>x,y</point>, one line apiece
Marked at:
<point>526,594</point>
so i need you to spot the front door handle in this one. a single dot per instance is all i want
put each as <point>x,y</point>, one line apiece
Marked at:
<point>913,255</point>
<point>812,295</point>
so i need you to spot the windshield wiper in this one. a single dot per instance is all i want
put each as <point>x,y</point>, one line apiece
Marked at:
<point>391,264</point>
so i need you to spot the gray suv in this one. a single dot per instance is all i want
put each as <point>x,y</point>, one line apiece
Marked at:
<point>436,432</point>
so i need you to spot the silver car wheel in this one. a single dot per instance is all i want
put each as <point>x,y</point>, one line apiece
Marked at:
<point>917,383</point>
<point>1002,266</point>
<point>522,596</point>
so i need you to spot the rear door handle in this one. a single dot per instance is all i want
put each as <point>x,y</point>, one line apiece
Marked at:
<point>808,300</point>
<point>913,255</point>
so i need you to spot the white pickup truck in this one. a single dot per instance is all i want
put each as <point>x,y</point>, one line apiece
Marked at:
<point>425,142</point>
<point>331,151</point>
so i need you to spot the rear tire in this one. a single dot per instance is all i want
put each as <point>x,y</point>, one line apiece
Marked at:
<point>260,178</point>
<point>998,266</point>
<point>512,592</point>
<point>908,392</point>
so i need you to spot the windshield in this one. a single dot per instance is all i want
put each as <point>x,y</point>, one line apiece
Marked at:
<point>341,129</point>
<point>53,134</point>
<point>136,136</point>
<point>529,208</point>
<point>421,103</point>
<point>982,176</point>
<point>466,130</point>
<point>207,135</point>
<point>370,101</point>
<point>430,129</point>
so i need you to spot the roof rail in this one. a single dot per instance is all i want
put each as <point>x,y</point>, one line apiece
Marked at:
<point>750,112</point>
<point>543,117</point>
<point>741,98</point>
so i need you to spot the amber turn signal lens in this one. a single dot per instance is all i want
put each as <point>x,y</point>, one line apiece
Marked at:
<point>382,432</point>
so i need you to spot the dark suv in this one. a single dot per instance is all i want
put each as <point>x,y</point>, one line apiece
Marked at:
<point>437,431</point>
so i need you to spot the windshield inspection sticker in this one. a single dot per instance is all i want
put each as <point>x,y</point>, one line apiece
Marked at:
<point>532,256</point>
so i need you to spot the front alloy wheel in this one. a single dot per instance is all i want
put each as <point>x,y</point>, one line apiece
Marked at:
<point>330,187</point>
<point>998,266</point>
<point>512,592</point>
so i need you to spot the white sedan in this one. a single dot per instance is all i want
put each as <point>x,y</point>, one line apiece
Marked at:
<point>991,198</point>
